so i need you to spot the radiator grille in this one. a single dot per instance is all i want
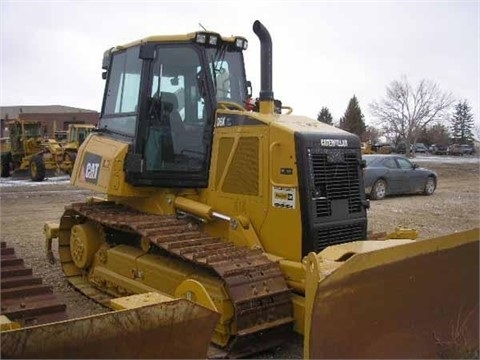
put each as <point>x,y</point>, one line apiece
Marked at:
<point>335,178</point>
<point>327,236</point>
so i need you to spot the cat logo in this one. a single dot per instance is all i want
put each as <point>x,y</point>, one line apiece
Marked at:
<point>91,168</point>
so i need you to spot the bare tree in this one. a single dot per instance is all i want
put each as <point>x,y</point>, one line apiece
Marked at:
<point>435,134</point>
<point>405,111</point>
<point>372,134</point>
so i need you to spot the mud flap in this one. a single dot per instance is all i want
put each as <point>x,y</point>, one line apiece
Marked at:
<point>416,300</point>
<point>172,329</point>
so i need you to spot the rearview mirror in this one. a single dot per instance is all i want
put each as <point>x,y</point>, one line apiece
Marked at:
<point>249,89</point>
<point>415,165</point>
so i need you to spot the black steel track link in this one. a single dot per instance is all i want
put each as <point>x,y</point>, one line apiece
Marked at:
<point>23,296</point>
<point>256,285</point>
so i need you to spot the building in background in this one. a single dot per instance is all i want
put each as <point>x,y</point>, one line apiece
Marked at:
<point>53,117</point>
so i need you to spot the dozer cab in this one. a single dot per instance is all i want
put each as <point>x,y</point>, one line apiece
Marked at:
<point>253,212</point>
<point>29,153</point>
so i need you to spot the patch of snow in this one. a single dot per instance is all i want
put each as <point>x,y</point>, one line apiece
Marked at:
<point>447,159</point>
<point>10,182</point>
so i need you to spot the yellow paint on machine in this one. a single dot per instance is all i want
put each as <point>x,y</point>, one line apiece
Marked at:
<point>389,298</point>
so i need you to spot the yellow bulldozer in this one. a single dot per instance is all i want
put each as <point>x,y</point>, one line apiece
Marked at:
<point>368,148</point>
<point>253,212</point>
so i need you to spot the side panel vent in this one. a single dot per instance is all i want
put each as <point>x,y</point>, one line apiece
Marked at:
<point>224,149</point>
<point>243,173</point>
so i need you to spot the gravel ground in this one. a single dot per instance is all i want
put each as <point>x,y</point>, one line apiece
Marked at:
<point>455,205</point>
<point>25,206</point>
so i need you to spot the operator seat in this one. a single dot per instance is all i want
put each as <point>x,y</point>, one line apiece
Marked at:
<point>170,106</point>
<point>159,147</point>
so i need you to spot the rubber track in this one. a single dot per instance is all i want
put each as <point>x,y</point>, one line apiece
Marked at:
<point>24,297</point>
<point>256,285</point>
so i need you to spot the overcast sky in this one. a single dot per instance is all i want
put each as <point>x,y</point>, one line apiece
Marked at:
<point>323,52</point>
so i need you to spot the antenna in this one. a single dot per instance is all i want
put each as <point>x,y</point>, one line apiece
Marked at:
<point>203,27</point>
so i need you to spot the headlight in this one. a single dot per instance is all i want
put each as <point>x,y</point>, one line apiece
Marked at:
<point>208,39</point>
<point>201,38</point>
<point>241,43</point>
<point>213,40</point>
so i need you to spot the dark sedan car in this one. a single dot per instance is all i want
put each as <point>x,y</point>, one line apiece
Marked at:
<point>394,175</point>
<point>460,150</point>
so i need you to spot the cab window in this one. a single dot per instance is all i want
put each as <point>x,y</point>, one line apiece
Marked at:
<point>228,75</point>
<point>122,94</point>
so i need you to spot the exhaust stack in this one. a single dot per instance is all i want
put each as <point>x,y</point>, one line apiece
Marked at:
<point>266,91</point>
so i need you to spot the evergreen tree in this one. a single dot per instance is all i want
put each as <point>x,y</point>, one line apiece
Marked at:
<point>353,119</point>
<point>462,123</point>
<point>325,116</point>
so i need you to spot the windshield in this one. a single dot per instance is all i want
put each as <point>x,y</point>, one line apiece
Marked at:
<point>228,74</point>
<point>33,130</point>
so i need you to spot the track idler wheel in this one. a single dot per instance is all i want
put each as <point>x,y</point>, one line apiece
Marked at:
<point>85,240</point>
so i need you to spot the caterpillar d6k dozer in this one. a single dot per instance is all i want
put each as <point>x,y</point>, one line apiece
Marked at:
<point>253,212</point>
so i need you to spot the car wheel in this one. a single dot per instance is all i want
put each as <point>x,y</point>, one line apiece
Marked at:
<point>379,190</point>
<point>430,186</point>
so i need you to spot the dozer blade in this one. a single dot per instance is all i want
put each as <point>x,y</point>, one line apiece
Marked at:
<point>416,300</point>
<point>24,174</point>
<point>172,329</point>
<point>20,174</point>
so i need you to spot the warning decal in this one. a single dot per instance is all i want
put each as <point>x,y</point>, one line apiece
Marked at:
<point>283,197</point>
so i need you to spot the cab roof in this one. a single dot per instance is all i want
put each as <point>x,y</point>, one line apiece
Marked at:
<point>189,37</point>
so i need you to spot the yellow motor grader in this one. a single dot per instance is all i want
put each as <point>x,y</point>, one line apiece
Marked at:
<point>253,212</point>
<point>76,135</point>
<point>28,153</point>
